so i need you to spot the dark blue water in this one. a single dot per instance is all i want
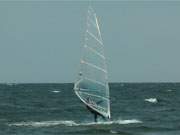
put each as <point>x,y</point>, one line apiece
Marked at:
<point>54,109</point>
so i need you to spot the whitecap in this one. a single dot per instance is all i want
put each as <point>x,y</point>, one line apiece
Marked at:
<point>151,100</point>
<point>169,90</point>
<point>128,121</point>
<point>56,91</point>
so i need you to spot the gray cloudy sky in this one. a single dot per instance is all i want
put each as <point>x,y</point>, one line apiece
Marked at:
<point>41,41</point>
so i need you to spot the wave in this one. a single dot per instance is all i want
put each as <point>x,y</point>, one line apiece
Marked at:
<point>169,90</point>
<point>151,100</point>
<point>56,91</point>
<point>71,123</point>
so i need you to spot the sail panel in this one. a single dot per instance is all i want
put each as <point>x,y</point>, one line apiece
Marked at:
<point>92,56</point>
<point>92,87</point>
<point>94,72</point>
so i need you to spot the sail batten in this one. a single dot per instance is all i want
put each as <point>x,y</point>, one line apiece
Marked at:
<point>92,85</point>
<point>92,35</point>
<point>93,65</point>
<point>91,21</point>
<point>93,50</point>
<point>101,97</point>
<point>95,81</point>
<point>87,90</point>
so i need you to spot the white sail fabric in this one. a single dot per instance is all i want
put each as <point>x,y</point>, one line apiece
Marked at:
<point>92,86</point>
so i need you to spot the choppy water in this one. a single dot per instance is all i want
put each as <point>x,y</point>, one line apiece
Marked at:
<point>53,109</point>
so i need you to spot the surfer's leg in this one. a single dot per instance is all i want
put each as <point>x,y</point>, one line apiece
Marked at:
<point>95,117</point>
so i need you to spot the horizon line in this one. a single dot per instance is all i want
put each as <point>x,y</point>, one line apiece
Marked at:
<point>73,82</point>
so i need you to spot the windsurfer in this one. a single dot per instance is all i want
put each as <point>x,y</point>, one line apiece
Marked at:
<point>93,111</point>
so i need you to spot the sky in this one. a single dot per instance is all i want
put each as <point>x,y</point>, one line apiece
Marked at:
<point>41,41</point>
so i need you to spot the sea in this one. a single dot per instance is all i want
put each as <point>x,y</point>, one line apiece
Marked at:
<point>54,109</point>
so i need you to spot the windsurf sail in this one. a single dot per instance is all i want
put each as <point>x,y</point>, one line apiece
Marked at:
<point>92,83</point>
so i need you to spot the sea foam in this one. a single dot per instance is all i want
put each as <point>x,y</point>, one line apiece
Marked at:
<point>43,123</point>
<point>151,100</point>
<point>71,123</point>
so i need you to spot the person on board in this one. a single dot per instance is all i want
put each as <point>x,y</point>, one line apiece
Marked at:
<point>93,111</point>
